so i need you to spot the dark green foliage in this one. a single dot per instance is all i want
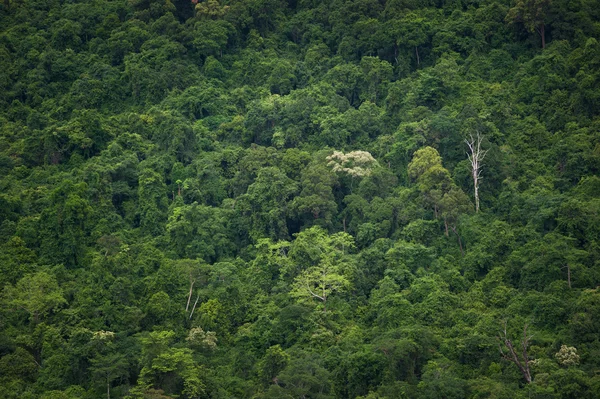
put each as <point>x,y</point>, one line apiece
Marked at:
<point>269,199</point>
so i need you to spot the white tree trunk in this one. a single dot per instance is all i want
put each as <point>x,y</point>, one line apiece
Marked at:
<point>476,155</point>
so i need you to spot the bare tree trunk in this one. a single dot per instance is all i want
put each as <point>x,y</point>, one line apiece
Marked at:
<point>568,267</point>
<point>194,308</point>
<point>187,306</point>
<point>513,356</point>
<point>475,158</point>
<point>417,52</point>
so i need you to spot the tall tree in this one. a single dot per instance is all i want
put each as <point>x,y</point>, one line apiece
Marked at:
<point>532,14</point>
<point>476,155</point>
<point>517,354</point>
<point>38,294</point>
<point>329,273</point>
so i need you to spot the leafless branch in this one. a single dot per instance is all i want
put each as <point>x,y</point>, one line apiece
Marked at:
<point>476,156</point>
<point>512,356</point>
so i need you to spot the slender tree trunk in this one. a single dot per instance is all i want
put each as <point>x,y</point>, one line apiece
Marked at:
<point>476,179</point>
<point>107,388</point>
<point>417,52</point>
<point>476,155</point>
<point>568,267</point>
<point>187,306</point>
<point>542,33</point>
<point>194,307</point>
<point>513,355</point>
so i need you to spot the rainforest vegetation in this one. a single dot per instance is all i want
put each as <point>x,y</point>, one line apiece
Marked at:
<point>372,199</point>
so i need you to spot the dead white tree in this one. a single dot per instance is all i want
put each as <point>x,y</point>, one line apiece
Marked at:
<point>476,156</point>
<point>194,307</point>
<point>196,274</point>
<point>192,282</point>
<point>518,356</point>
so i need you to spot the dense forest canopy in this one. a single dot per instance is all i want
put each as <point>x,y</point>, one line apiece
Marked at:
<point>300,199</point>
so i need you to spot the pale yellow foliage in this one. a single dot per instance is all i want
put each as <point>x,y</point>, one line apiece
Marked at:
<point>567,356</point>
<point>104,335</point>
<point>355,163</point>
<point>198,337</point>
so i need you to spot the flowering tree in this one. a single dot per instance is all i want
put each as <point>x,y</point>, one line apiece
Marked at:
<point>354,164</point>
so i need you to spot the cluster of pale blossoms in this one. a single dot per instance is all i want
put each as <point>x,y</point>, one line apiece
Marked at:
<point>355,163</point>
<point>104,335</point>
<point>197,336</point>
<point>567,356</point>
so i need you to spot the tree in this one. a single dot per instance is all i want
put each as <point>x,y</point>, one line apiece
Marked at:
<point>64,224</point>
<point>320,282</point>
<point>410,32</point>
<point>270,261</point>
<point>355,164</point>
<point>532,14</point>
<point>475,158</point>
<point>15,260</point>
<point>344,78</point>
<point>168,368</point>
<point>303,377</point>
<point>195,272</point>
<point>453,204</point>
<point>38,294</point>
<point>272,363</point>
<point>210,9</point>
<point>266,203</point>
<point>516,355</point>
<point>329,273</point>
<point>210,36</point>
<point>376,74</point>
<point>433,180</point>
<point>108,365</point>
<point>567,356</point>
<point>198,338</point>
<point>199,232</point>
<point>438,189</point>
<point>440,380</point>
<point>316,197</point>
<point>152,193</point>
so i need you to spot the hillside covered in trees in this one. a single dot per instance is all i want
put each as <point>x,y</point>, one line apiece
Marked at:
<point>300,199</point>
